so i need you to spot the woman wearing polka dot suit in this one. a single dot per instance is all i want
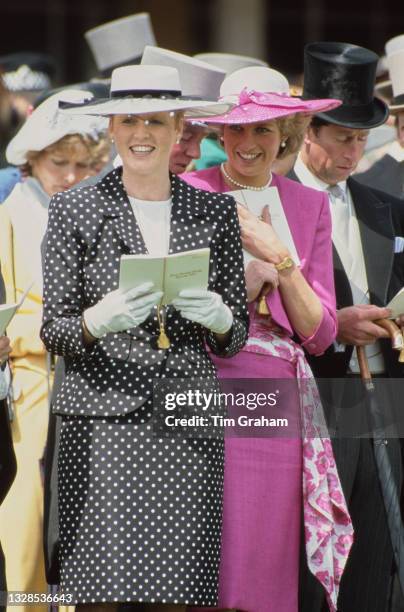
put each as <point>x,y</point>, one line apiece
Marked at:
<point>140,515</point>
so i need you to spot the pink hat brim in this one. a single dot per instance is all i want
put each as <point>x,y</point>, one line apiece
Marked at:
<point>256,107</point>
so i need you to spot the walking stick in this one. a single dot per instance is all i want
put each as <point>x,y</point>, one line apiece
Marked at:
<point>388,486</point>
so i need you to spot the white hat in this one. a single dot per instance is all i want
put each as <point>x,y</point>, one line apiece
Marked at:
<point>396,69</point>
<point>256,78</point>
<point>229,62</point>
<point>198,79</point>
<point>394,44</point>
<point>120,42</point>
<point>137,90</point>
<point>47,124</point>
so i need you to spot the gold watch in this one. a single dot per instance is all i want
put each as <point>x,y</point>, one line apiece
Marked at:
<point>286,263</point>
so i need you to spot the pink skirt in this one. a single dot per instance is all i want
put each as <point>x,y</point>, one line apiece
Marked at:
<point>262,509</point>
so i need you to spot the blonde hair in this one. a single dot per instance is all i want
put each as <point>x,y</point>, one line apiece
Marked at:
<point>97,149</point>
<point>292,130</point>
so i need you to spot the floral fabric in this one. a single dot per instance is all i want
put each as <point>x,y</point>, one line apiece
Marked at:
<point>327,524</point>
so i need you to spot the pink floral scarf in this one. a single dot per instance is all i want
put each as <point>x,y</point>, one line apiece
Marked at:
<point>327,524</point>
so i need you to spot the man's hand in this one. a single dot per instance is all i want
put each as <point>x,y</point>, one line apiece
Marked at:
<point>5,348</point>
<point>356,324</point>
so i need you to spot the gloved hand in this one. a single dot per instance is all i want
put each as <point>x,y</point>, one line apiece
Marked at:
<point>206,308</point>
<point>120,310</point>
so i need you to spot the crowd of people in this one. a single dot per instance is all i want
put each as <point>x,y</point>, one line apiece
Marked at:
<point>163,154</point>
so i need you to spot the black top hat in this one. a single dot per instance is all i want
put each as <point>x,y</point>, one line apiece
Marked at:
<point>346,72</point>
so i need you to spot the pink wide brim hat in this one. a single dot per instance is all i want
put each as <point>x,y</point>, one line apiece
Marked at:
<point>255,106</point>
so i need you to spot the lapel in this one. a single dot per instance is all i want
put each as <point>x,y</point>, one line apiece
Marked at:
<point>377,236</point>
<point>343,289</point>
<point>188,214</point>
<point>115,205</point>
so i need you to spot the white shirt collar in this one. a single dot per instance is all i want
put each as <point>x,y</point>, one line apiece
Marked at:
<point>396,151</point>
<point>311,180</point>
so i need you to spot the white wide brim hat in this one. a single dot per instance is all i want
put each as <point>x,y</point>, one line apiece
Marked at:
<point>140,90</point>
<point>47,125</point>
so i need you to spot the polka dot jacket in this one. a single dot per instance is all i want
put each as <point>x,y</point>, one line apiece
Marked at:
<point>89,229</point>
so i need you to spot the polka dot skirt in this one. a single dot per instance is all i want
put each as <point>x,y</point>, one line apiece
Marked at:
<point>140,517</point>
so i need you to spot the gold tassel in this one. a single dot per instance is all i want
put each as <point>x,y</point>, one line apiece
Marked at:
<point>163,341</point>
<point>262,306</point>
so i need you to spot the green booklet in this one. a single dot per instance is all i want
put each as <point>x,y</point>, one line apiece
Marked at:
<point>170,274</point>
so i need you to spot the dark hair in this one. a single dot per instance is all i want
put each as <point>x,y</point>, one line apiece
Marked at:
<point>318,122</point>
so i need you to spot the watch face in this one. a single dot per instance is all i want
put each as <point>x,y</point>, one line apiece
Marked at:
<point>286,263</point>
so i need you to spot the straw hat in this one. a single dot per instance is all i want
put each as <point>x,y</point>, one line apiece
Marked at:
<point>138,90</point>
<point>262,94</point>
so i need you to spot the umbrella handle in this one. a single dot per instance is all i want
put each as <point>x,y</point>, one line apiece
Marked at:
<point>394,332</point>
<point>363,364</point>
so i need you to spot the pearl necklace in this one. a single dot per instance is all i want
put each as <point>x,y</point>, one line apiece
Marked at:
<point>240,185</point>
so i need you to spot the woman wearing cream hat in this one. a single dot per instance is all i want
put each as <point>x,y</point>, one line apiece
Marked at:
<point>56,152</point>
<point>140,514</point>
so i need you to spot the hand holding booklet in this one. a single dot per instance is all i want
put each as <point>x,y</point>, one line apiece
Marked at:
<point>170,274</point>
<point>255,202</point>
<point>7,311</point>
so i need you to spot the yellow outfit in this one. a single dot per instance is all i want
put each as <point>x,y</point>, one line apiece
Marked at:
<point>23,218</point>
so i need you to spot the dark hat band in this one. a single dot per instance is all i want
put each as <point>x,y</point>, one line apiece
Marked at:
<point>143,93</point>
<point>360,112</point>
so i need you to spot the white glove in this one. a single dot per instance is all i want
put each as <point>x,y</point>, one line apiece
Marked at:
<point>120,310</point>
<point>206,308</point>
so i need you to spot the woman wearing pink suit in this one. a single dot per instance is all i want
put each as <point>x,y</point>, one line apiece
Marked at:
<point>269,479</point>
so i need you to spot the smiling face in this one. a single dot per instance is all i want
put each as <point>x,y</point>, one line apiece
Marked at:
<point>187,149</point>
<point>332,152</point>
<point>144,142</point>
<point>251,150</point>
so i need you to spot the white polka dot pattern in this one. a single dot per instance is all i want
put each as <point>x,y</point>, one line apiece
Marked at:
<point>140,516</point>
<point>88,231</point>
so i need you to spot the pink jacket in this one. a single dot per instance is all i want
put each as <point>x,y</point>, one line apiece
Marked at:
<point>308,213</point>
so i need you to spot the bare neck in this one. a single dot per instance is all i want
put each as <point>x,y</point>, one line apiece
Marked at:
<point>147,187</point>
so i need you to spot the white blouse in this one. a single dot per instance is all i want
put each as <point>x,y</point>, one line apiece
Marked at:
<point>153,219</point>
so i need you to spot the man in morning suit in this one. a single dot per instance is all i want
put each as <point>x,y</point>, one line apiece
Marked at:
<point>368,272</point>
